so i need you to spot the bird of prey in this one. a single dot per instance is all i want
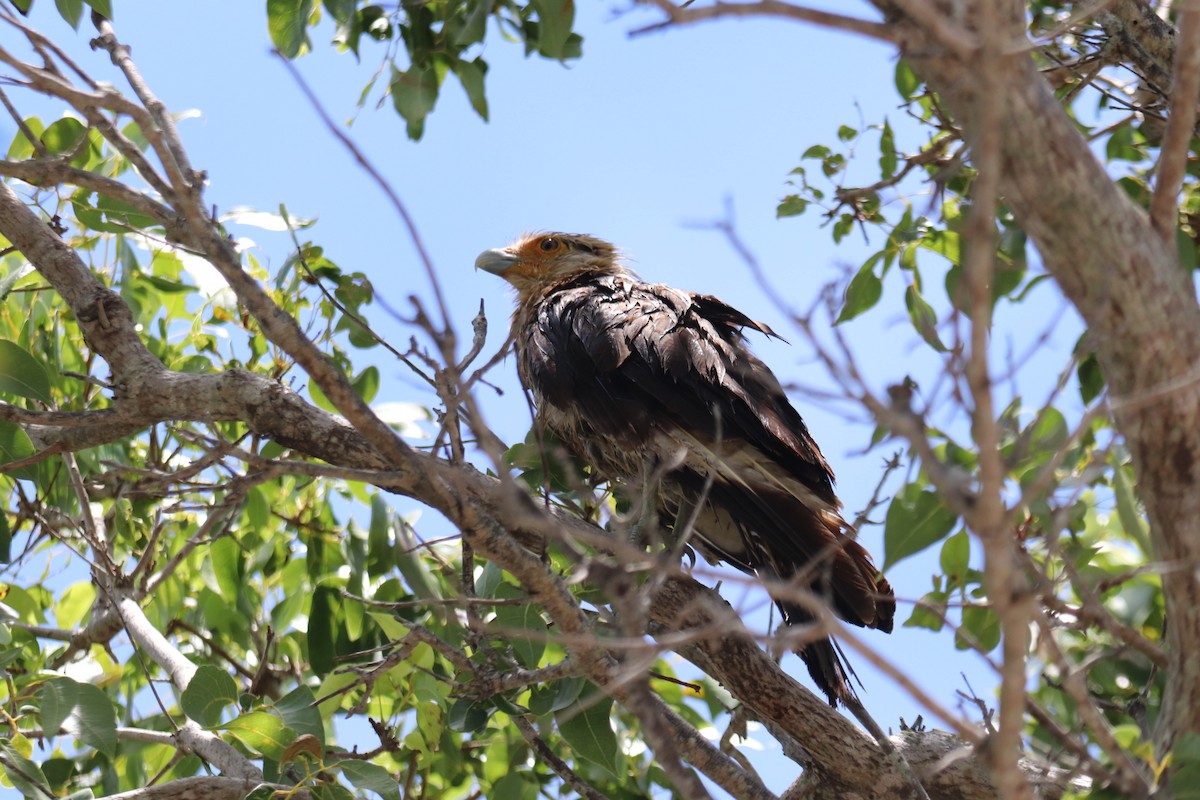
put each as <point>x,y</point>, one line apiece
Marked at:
<point>636,378</point>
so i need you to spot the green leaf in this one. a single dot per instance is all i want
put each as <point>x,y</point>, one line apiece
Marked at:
<point>411,564</point>
<point>1185,767</point>
<point>791,206</point>
<point>513,621</point>
<point>555,18</point>
<point>14,446</point>
<point>287,21</point>
<point>366,384</point>
<point>370,777</point>
<point>568,692</point>
<point>864,291</point>
<point>1126,144</point>
<point>209,692</point>
<point>103,7</point>
<point>983,625</point>
<point>380,554</point>
<point>1091,378</point>
<point>587,727</point>
<point>1048,432</point>
<point>470,74</point>
<point>929,612</point>
<point>515,786</point>
<point>122,215</point>
<point>955,557</point>
<point>5,541</point>
<point>323,611</point>
<point>95,719</point>
<point>92,718</point>
<point>342,11</point>
<point>468,716</point>
<point>414,94</point>
<point>489,580</point>
<point>916,519</point>
<point>298,713</point>
<point>1131,518</point>
<point>57,700</point>
<point>923,318</point>
<point>846,133</point>
<point>63,136</point>
<point>945,243</point>
<point>887,151</point>
<point>25,775</point>
<point>907,82</point>
<point>474,24</point>
<point>263,731</point>
<point>22,5</point>
<point>225,557</point>
<point>556,696</point>
<point>22,374</point>
<point>1185,246</point>
<point>71,11</point>
<point>74,603</point>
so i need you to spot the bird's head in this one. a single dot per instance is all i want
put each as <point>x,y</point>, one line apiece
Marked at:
<point>539,260</point>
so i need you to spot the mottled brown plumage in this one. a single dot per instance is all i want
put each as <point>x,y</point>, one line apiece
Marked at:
<point>628,374</point>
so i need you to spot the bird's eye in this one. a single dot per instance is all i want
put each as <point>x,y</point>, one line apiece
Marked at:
<point>550,244</point>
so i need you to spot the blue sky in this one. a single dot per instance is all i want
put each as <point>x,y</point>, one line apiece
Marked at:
<point>636,143</point>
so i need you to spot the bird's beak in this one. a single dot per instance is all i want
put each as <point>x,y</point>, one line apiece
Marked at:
<point>495,261</point>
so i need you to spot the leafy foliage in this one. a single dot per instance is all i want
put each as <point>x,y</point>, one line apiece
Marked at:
<point>438,38</point>
<point>287,614</point>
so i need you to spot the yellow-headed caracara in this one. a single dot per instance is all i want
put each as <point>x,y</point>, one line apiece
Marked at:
<point>630,375</point>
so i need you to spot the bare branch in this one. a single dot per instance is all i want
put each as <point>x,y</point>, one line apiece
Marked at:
<point>685,14</point>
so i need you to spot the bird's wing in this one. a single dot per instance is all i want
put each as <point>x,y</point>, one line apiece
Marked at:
<point>625,354</point>
<point>624,363</point>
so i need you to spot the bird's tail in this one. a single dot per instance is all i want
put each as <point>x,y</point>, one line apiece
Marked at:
<point>826,663</point>
<point>830,670</point>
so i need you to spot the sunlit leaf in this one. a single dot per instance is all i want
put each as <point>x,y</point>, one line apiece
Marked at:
<point>526,631</point>
<point>916,518</point>
<point>888,160</point>
<point>414,94</point>
<point>370,777</point>
<point>71,11</point>
<point>980,628</point>
<point>906,80</point>
<point>63,136</point>
<point>103,7</point>
<point>287,22</point>
<point>15,446</point>
<point>468,716</point>
<point>95,719</point>
<point>23,774</point>
<point>21,374</point>
<point>923,318</point>
<point>471,74</point>
<point>262,731</point>
<point>209,693</point>
<point>956,553</point>
<point>57,700</point>
<point>791,206</point>
<point>864,290</point>
<point>587,727</point>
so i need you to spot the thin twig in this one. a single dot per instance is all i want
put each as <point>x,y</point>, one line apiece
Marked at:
<point>684,15</point>
<point>383,184</point>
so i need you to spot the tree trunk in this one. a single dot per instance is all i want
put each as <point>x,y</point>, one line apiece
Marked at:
<point>1138,302</point>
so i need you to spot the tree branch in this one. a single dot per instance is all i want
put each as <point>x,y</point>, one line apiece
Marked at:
<point>1181,124</point>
